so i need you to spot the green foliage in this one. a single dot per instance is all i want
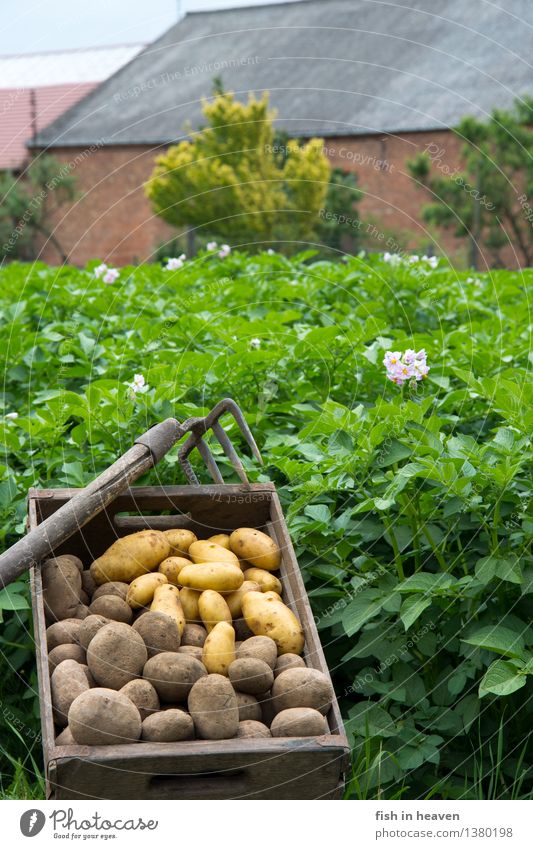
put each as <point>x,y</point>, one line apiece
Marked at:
<point>408,509</point>
<point>28,201</point>
<point>227,180</point>
<point>489,199</point>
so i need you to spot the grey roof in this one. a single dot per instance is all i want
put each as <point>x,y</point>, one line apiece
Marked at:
<point>332,67</point>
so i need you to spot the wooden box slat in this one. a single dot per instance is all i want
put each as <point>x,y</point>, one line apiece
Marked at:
<point>276,768</point>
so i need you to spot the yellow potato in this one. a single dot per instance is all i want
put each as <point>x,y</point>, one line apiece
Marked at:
<point>222,577</point>
<point>179,540</point>
<point>268,617</point>
<point>213,609</point>
<point>220,539</point>
<point>141,590</point>
<point>255,547</point>
<point>272,594</point>
<point>234,600</point>
<point>204,551</point>
<point>189,602</point>
<point>219,649</point>
<point>266,580</point>
<point>130,557</point>
<point>172,566</point>
<point>167,600</point>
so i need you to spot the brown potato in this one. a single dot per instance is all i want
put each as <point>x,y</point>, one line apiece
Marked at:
<point>68,651</point>
<point>116,655</point>
<point>179,540</point>
<point>87,582</point>
<point>298,722</point>
<point>143,696</point>
<point>189,603</point>
<point>213,706</point>
<point>82,612</point>
<point>115,588</point>
<point>256,547</point>
<point>85,600</point>
<point>242,631</point>
<point>288,661</point>
<point>251,675</point>
<point>173,675</point>
<point>112,607</point>
<point>68,681</point>
<point>102,716</point>
<point>302,688</point>
<point>61,588</point>
<point>204,551</point>
<point>213,609</point>
<point>159,631</point>
<point>234,600</point>
<point>63,632</point>
<point>168,726</point>
<point>262,647</point>
<point>65,738</point>
<point>90,626</point>
<point>194,651</point>
<point>171,568</point>
<point>194,635</point>
<point>252,728</point>
<point>131,556</point>
<point>266,581</point>
<point>249,707</point>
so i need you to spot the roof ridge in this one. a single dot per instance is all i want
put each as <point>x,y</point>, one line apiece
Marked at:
<point>74,49</point>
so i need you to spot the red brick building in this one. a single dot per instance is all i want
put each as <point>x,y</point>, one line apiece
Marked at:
<point>378,81</point>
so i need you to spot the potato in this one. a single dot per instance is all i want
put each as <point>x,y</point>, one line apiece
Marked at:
<point>87,582</point>
<point>298,722</point>
<point>173,675</point>
<point>167,600</point>
<point>116,655</point>
<point>141,590</point>
<point>273,595</point>
<point>68,681</point>
<point>234,600</point>
<point>249,707</point>
<point>219,649</point>
<point>115,588</point>
<point>204,551</point>
<point>61,588</point>
<point>255,547</point>
<point>242,631</point>
<point>102,716</point>
<point>302,688</point>
<point>171,568</point>
<point>112,607</point>
<point>189,602</point>
<point>179,540</point>
<point>65,738</point>
<point>143,696</point>
<point>252,728</point>
<point>194,651</point>
<point>194,635</point>
<point>168,726</point>
<point>213,609</point>
<point>288,661</point>
<point>251,675</point>
<point>222,577</point>
<point>82,612</point>
<point>213,706</point>
<point>131,556</point>
<point>266,580</point>
<point>90,626</point>
<point>268,617</point>
<point>261,647</point>
<point>159,631</point>
<point>63,632</point>
<point>220,539</point>
<point>68,651</point>
<point>85,600</point>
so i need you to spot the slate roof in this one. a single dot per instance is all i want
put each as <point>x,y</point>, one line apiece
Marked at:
<point>333,67</point>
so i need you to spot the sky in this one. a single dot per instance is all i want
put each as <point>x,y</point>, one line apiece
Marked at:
<point>31,26</point>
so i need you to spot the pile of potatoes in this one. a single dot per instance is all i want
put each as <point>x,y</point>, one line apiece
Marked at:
<point>168,638</point>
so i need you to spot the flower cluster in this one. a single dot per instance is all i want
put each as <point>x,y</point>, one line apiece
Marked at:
<point>138,384</point>
<point>396,259</point>
<point>173,263</point>
<point>411,365</point>
<point>224,251</point>
<point>108,275</point>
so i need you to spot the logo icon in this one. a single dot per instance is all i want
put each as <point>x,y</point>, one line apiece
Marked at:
<point>32,822</point>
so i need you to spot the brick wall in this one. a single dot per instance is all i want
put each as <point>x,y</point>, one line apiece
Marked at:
<point>112,219</point>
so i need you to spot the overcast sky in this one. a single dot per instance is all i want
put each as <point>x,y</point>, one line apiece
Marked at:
<point>28,26</point>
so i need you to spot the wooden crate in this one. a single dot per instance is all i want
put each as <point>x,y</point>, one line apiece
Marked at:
<point>276,768</point>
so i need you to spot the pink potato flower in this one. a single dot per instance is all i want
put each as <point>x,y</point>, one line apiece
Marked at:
<point>108,275</point>
<point>406,366</point>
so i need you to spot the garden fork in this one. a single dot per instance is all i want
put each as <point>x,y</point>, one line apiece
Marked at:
<point>146,451</point>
